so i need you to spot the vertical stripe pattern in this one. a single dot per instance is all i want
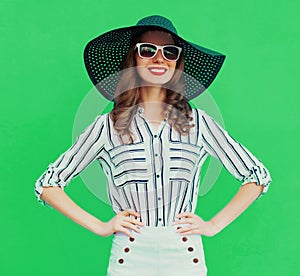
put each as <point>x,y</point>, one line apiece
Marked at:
<point>158,175</point>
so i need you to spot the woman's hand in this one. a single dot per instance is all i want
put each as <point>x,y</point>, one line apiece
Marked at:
<point>120,223</point>
<point>196,225</point>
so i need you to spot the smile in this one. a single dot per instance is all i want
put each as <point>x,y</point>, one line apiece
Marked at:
<point>158,71</point>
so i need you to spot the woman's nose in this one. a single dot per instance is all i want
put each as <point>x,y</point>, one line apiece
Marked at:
<point>158,57</point>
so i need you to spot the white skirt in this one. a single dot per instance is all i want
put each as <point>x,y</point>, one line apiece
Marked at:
<point>157,251</point>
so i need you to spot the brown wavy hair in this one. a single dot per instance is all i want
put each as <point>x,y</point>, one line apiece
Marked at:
<point>128,96</point>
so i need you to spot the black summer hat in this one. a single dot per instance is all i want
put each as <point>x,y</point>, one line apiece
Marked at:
<point>103,56</point>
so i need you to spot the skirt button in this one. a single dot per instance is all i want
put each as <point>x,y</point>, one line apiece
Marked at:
<point>190,249</point>
<point>121,261</point>
<point>195,260</point>
<point>184,239</point>
<point>126,249</point>
<point>131,239</point>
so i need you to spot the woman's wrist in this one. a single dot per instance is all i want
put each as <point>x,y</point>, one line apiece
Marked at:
<point>97,226</point>
<point>215,229</point>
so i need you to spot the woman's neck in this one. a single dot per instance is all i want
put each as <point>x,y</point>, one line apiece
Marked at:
<point>153,94</point>
<point>153,97</point>
<point>152,100</point>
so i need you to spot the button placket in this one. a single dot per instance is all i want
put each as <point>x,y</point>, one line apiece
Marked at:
<point>155,155</point>
<point>157,166</point>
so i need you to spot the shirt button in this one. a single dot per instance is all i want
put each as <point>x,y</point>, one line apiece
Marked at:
<point>126,249</point>
<point>157,175</point>
<point>156,154</point>
<point>121,261</point>
<point>195,260</point>
<point>190,249</point>
<point>155,136</point>
<point>159,198</point>
<point>131,239</point>
<point>159,219</point>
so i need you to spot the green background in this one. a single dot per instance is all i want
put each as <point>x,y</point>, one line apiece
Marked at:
<point>43,81</point>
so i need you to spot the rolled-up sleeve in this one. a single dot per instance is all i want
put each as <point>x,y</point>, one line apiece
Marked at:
<point>85,150</point>
<point>236,158</point>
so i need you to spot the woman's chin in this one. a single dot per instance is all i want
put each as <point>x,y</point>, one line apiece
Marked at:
<point>152,83</point>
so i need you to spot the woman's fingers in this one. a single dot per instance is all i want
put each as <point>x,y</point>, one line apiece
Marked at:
<point>184,221</point>
<point>134,221</point>
<point>185,215</point>
<point>123,222</point>
<point>123,226</point>
<point>127,212</point>
<point>131,226</point>
<point>131,220</point>
<point>126,232</point>
<point>131,223</point>
<point>186,229</point>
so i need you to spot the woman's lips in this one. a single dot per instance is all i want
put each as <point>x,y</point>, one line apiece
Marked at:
<point>158,71</point>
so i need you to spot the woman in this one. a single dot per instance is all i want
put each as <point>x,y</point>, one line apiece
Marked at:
<point>151,147</point>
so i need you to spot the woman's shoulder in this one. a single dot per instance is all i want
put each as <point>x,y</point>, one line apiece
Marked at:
<point>198,112</point>
<point>102,117</point>
<point>201,116</point>
<point>99,120</point>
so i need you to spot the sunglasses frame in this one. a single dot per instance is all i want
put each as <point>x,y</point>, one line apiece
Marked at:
<point>158,47</point>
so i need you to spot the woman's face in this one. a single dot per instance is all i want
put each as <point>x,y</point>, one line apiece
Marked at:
<point>156,70</point>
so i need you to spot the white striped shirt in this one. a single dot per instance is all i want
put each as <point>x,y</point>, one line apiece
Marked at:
<point>158,175</point>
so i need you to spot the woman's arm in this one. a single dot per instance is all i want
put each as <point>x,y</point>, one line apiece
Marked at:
<point>58,199</point>
<point>241,163</point>
<point>239,203</point>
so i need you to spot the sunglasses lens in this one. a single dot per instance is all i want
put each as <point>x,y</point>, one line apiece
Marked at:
<point>147,50</point>
<point>171,53</point>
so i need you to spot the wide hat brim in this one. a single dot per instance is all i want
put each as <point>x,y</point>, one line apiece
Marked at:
<point>103,56</point>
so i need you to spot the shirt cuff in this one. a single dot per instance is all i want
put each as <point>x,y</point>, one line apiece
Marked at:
<point>39,187</point>
<point>260,176</point>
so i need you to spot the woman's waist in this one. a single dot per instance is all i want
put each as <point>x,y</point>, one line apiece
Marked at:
<point>162,231</point>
